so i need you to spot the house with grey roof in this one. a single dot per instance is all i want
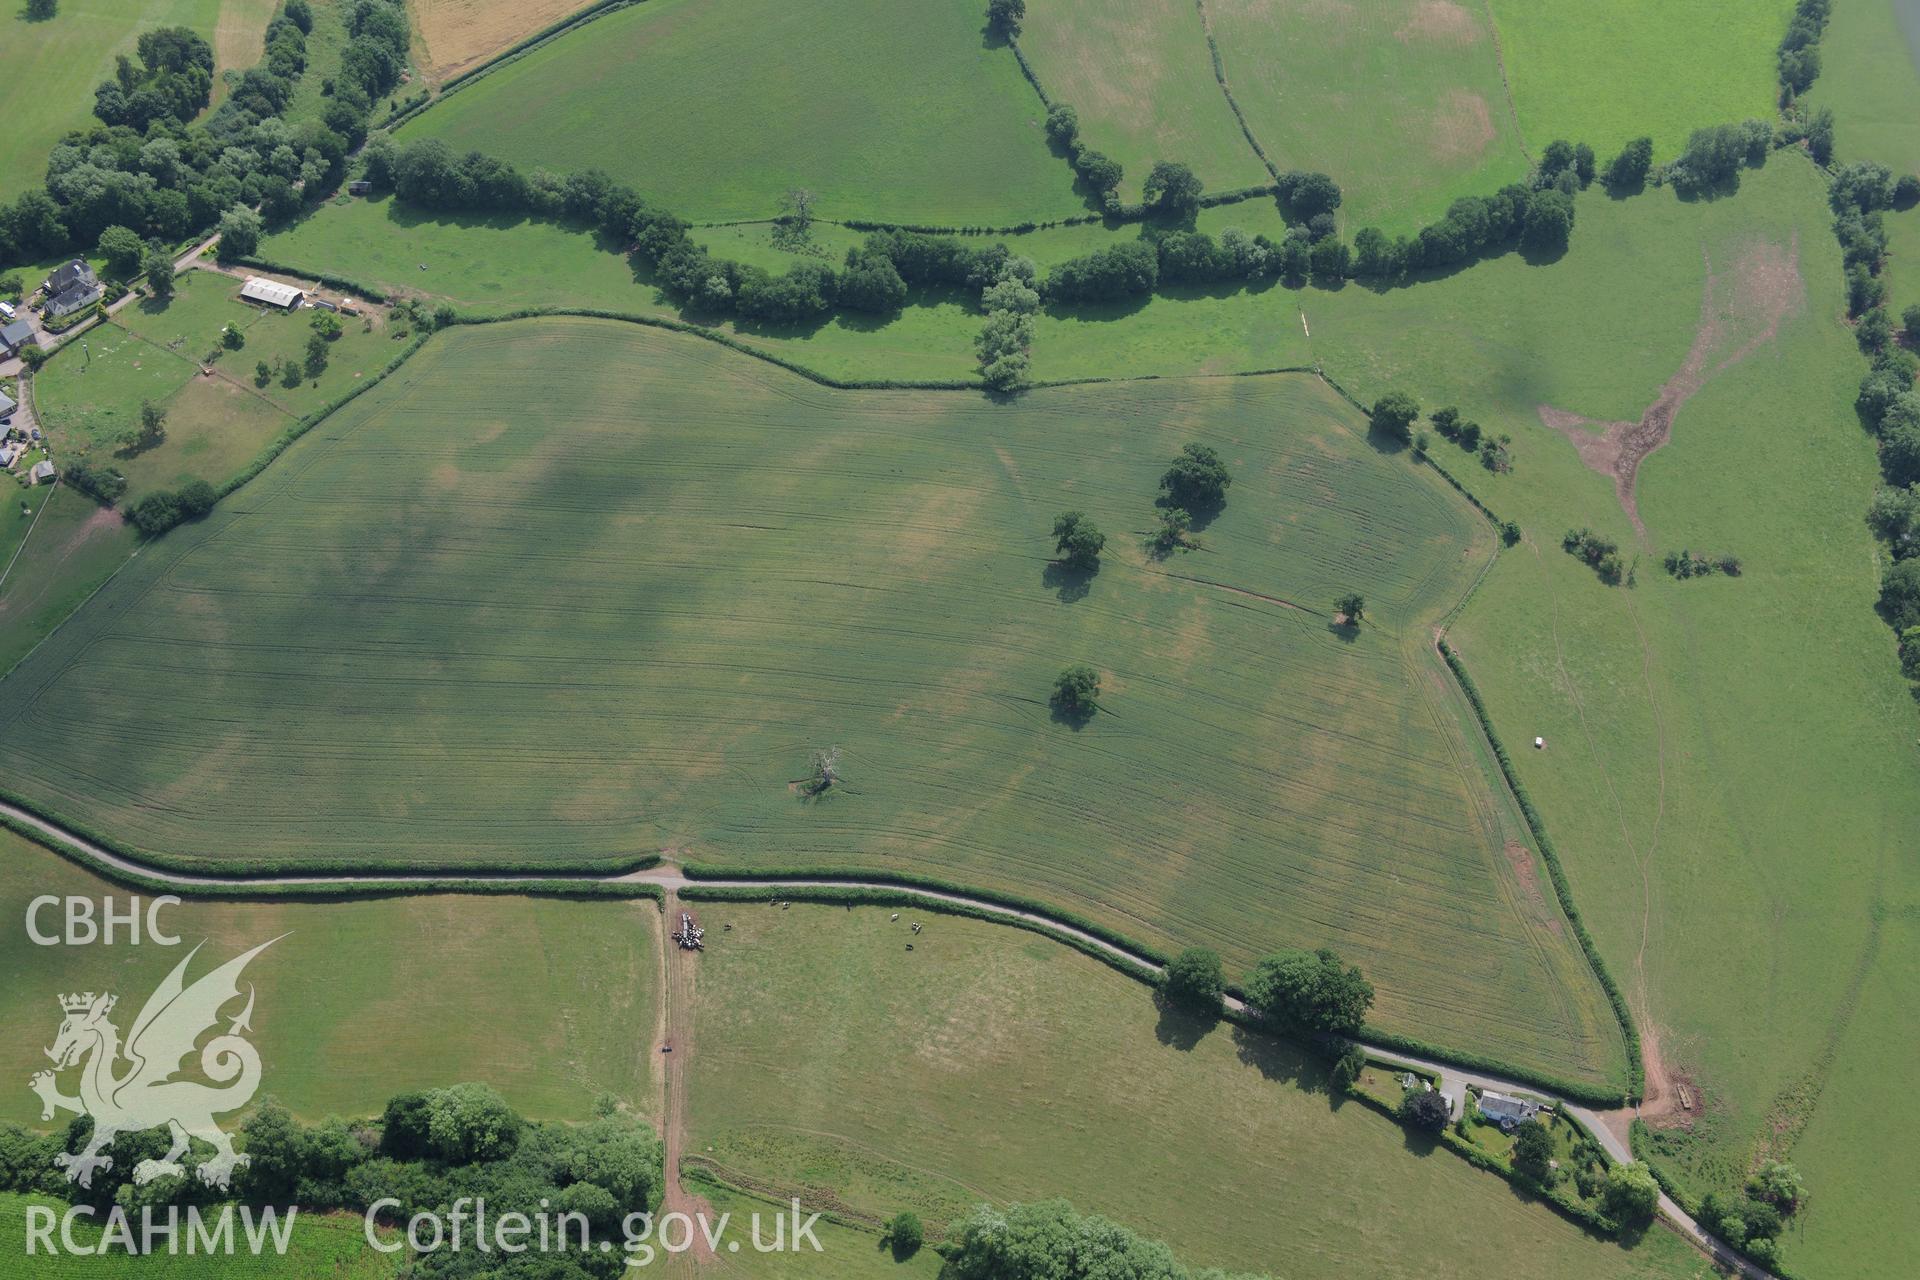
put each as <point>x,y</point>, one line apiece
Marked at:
<point>1506,1110</point>
<point>15,336</point>
<point>72,287</point>
<point>7,406</point>
<point>42,472</point>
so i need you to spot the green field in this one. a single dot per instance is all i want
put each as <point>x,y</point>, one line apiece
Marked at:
<point>1141,79</point>
<point>988,1064</point>
<point>1870,79</point>
<point>323,1247</point>
<point>69,553</point>
<point>550,1001</point>
<point>1603,74</point>
<point>1703,737</point>
<point>216,424</point>
<point>714,110</point>
<point>1399,100</point>
<point>543,644</point>
<point>48,70</point>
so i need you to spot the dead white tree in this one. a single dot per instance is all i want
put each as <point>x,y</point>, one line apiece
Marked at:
<point>825,771</point>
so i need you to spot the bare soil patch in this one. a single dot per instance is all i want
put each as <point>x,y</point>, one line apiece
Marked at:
<point>1521,859</point>
<point>677,1005</point>
<point>1741,309</point>
<point>459,34</point>
<point>1673,1098</point>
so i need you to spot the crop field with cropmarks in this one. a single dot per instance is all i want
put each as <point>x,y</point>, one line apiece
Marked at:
<point>1400,101</point>
<point>49,67</point>
<point>882,110</point>
<point>595,665</point>
<point>459,35</point>
<point>989,1064</point>
<point>551,1001</point>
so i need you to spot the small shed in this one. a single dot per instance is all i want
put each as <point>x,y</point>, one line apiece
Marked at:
<point>271,292</point>
<point>359,187</point>
<point>42,472</point>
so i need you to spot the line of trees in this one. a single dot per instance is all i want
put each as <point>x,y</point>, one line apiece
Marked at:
<point>1050,1240</point>
<point>1099,171</point>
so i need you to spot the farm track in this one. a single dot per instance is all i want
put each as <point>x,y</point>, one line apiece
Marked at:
<point>671,880</point>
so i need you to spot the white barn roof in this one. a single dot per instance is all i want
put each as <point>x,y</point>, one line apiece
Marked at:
<point>270,291</point>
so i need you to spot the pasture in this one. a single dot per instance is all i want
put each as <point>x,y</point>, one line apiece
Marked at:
<point>48,70</point>
<point>1703,737</point>
<point>1606,74</point>
<point>883,111</point>
<point>1399,100</point>
<point>323,1247</point>
<point>990,1064</point>
<point>551,1001</point>
<point>90,397</point>
<point>1870,79</point>
<point>593,591</point>
<point>1141,79</point>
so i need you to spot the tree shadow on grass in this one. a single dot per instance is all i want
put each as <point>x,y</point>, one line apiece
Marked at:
<point>1279,1060</point>
<point>1075,718</point>
<point>1070,582</point>
<point>1180,1027</point>
<point>1347,632</point>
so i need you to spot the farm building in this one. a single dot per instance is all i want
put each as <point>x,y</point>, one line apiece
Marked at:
<point>15,336</point>
<point>271,292</point>
<point>42,472</point>
<point>1506,1110</point>
<point>73,287</point>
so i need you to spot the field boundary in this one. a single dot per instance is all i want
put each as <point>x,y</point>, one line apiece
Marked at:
<point>1226,90</point>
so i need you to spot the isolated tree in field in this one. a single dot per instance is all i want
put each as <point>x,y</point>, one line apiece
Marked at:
<point>1197,480</point>
<point>1076,693</point>
<point>824,770</point>
<point>1393,415</point>
<point>316,354</point>
<point>159,271</point>
<point>233,338</point>
<point>326,324</point>
<point>153,425</point>
<point>1195,980</point>
<point>1423,1109</point>
<point>1077,540</point>
<point>1533,1148</point>
<point>262,373</point>
<point>1350,608</point>
<point>1171,187</point>
<point>1310,989</point>
<point>41,10</point>
<point>1631,1193</point>
<point>1005,16</point>
<point>904,1235</point>
<point>122,247</point>
<point>1174,524</point>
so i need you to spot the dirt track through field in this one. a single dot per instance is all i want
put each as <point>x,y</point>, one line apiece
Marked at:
<point>677,1010</point>
<point>1741,309</point>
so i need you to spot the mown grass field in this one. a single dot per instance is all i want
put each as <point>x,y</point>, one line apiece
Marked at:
<point>551,1001</point>
<point>714,110</point>
<point>48,70</point>
<point>989,1064</point>
<point>1704,738</point>
<point>592,591</point>
<point>1399,100</point>
<point>323,1247</point>
<point>1141,78</point>
<point>1603,74</point>
<point>1870,79</point>
<point>216,424</point>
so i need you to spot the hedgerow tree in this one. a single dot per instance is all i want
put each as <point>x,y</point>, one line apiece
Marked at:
<point>1076,692</point>
<point>1393,415</point>
<point>1348,1066</point>
<point>1077,540</point>
<point>1423,1109</point>
<point>1778,1183</point>
<point>1306,194</point>
<point>1194,979</point>
<point>1005,16</point>
<point>1900,594</point>
<point>904,1235</point>
<point>1628,170</point>
<point>1310,989</point>
<point>1197,480</point>
<point>159,273</point>
<point>1171,187</point>
<point>1547,224</point>
<point>1631,1193</point>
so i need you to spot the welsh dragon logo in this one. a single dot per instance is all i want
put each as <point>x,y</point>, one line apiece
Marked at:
<point>144,1094</point>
